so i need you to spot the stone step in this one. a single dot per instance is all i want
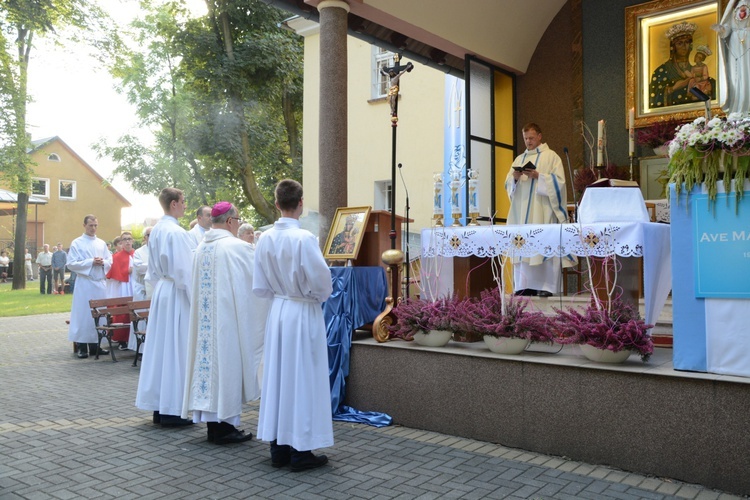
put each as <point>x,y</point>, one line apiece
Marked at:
<point>546,304</point>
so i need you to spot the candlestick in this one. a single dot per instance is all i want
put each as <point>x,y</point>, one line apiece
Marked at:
<point>631,132</point>
<point>600,144</point>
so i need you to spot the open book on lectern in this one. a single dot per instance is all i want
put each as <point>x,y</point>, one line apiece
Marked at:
<point>605,182</point>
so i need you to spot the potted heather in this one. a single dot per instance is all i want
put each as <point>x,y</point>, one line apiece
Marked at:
<point>504,322</point>
<point>427,322</point>
<point>657,135</point>
<point>606,334</point>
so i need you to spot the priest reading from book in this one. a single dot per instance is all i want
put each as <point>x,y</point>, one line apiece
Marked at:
<point>536,187</point>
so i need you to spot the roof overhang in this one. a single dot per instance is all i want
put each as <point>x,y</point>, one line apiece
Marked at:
<point>502,32</point>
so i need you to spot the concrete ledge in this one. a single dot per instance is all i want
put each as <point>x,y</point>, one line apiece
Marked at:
<point>641,417</point>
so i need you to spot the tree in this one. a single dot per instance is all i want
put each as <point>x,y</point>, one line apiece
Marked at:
<point>25,19</point>
<point>222,95</point>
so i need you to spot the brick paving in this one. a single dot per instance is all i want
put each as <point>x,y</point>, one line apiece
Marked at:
<point>69,429</point>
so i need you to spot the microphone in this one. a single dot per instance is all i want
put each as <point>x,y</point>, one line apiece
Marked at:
<point>573,189</point>
<point>408,262</point>
<point>701,96</point>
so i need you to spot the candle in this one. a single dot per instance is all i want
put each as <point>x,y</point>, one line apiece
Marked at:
<point>631,132</point>
<point>600,144</point>
<point>437,203</point>
<point>473,191</point>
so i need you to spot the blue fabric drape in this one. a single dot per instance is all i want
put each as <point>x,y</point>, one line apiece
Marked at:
<point>358,298</point>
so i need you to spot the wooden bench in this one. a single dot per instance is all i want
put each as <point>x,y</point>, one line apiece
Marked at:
<point>139,317</point>
<point>106,309</point>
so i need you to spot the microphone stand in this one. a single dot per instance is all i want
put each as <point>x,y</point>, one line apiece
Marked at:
<point>572,185</point>
<point>408,262</point>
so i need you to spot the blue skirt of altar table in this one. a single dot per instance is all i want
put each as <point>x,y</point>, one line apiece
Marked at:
<point>710,334</point>
<point>358,298</point>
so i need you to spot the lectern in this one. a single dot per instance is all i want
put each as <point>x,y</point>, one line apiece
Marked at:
<point>376,239</point>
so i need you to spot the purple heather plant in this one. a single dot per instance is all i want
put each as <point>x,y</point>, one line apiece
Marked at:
<point>484,316</point>
<point>421,315</point>
<point>620,328</point>
<point>657,134</point>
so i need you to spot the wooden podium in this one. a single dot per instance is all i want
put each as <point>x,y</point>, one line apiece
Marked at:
<point>377,239</point>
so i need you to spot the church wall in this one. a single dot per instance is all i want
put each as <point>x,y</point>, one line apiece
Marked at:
<point>604,72</point>
<point>578,73</point>
<point>549,94</point>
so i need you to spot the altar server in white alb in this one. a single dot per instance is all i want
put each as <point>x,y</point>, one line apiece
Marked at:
<point>90,259</point>
<point>227,325</point>
<point>295,407</point>
<point>537,196</point>
<point>142,289</point>
<point>161,384</point>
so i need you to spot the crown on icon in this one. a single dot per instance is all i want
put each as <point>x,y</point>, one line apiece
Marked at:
<point>703,49</point>
<point>351,218</point>
<point>681,29</point>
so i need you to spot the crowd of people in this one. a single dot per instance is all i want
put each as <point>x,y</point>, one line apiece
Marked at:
<point>50,268</point>
<point>224,302</point>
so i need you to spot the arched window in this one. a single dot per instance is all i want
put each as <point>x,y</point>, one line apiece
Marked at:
<point>53,157</point>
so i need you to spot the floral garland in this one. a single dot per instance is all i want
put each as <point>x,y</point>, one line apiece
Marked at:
<point>700,150</point>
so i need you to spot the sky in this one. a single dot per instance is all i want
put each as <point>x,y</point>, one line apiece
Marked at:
<point>75,99</point>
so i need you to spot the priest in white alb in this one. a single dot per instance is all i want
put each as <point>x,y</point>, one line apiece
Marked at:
<point>537,196</point>
<point>90,259</point>
<point>295,409</point>
<point>161,384</point>
<point>227,325</point>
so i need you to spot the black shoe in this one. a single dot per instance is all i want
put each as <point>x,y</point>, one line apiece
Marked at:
<point>544,293</point>
<point>235,436</point>
<point>92,349</point>
<point>82,355</point>
<point>174,421</point>
<point>123,346</point>
<point>157,418</point>
<point>305,460</point>
<point>281,455</point>
<point>526,292</point>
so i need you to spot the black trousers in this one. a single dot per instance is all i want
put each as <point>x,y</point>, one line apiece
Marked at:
<point>45,276</point>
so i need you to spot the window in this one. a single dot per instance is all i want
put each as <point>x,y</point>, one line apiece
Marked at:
<point>381,58</point>
<point>40,187</point>
<point>53,157</point>
<point>382,199</point>
<point>67,190</point>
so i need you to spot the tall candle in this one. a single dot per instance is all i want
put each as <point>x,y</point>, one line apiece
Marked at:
<point>600,144</point>
<point>473,191</point>
<point>437,203</point>
<point>631,132</point>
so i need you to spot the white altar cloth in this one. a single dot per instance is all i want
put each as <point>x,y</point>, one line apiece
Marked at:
<point>603,239</point>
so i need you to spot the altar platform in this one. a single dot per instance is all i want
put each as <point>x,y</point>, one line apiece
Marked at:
<point>641,417</point>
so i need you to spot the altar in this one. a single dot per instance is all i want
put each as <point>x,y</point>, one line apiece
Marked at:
<point>595,239</point>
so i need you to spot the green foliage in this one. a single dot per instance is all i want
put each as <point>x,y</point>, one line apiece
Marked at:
<point>20,22</point>
<point>221,97</point>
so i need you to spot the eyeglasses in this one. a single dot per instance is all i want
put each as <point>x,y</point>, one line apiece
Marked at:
<point>239,221</point>
<point>126,239</point>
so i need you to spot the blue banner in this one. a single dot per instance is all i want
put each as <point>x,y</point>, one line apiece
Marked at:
<point>722,246</point>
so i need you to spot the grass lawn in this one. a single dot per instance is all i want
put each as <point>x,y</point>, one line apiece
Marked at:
<point>30,301</point>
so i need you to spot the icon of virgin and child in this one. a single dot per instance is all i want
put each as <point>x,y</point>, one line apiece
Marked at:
<point>671,81</point>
